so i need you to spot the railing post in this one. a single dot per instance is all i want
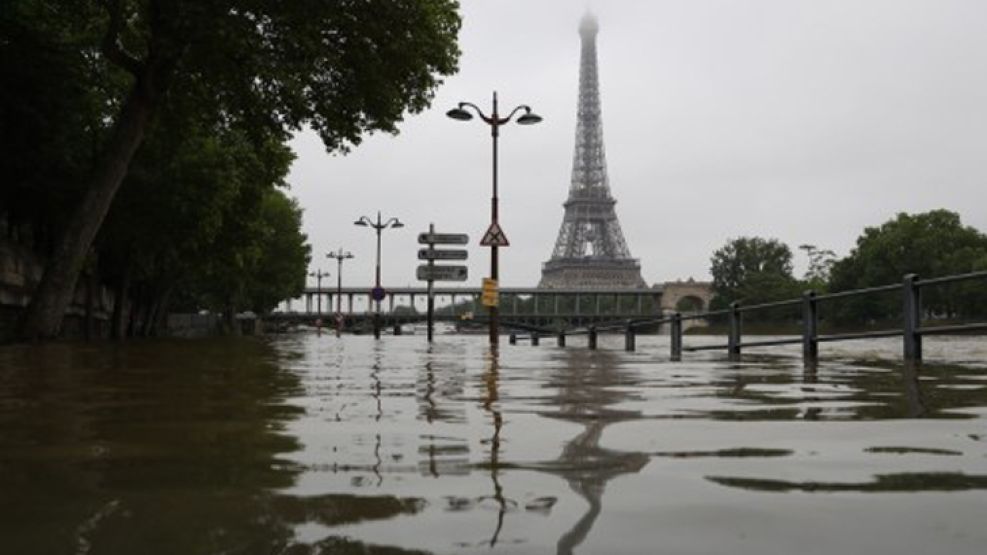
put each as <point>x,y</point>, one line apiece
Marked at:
<point>512,339</point>
<point>912,305</point>
<point>561,338</point>
<point>591,337</point>
<point>733,339</point>
<point>810,327</point>
<point>677,336</point>
<point>535,339</point>
<point>629,339</point>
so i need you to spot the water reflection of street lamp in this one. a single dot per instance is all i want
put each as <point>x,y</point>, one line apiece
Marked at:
<point>378,293</point>
<point>494,121</point>
<point>340,256</point>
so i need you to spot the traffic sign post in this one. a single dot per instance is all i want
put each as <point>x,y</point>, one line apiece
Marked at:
<point>434,254</point>
<point>494,237</point>
<point>378,294</point>
<point>432,238</point>
<point>431,273</point>
<point>491,296</point>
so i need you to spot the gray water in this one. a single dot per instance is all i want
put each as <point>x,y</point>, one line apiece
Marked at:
<point>312,444</point>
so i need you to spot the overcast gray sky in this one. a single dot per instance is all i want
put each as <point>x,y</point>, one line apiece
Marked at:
<point>801,120</point>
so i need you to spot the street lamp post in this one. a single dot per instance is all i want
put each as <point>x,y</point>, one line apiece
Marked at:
<point>494,121</point>
<point>377,294</point>
<point>340,256</point>
<point>318,275</point>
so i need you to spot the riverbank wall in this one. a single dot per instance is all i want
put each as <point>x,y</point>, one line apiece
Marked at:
<point>21,269</point>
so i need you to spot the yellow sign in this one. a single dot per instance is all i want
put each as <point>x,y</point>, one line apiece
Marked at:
<point>490,296</point>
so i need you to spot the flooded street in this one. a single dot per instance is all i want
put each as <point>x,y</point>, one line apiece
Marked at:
<point>305,444</point>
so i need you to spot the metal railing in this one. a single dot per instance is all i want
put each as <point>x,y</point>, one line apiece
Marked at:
<point>912,330</point>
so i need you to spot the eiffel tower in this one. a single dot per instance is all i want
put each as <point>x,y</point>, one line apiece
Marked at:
<point>590,252</point>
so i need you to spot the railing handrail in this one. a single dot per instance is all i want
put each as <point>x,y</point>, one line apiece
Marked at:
<point>912,330</point>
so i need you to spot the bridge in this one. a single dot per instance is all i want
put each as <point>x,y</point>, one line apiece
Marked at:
<point>520,307</point>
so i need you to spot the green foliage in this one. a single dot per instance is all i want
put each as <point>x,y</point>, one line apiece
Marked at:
<point>269,68</point>
<point>821,263</point>
<point>206,94</point>
<point>52,106</point>
<point>752,270</point>
<point>279,272</point>
<point>929,244</point>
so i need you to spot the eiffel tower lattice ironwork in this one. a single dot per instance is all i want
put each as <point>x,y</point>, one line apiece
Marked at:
<point>590,250</point>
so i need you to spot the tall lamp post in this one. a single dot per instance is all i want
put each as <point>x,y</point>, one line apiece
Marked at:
<point>318,275</point>
<point>378,293</point>
<point>340,256</point>
<point>494,120</point>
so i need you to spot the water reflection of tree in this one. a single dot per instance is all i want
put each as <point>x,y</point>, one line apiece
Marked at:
<point>160,448</point>
<point>858,390</point>
<point>588,383</point>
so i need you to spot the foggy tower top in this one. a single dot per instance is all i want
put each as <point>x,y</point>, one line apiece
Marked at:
<point>590,251</point>
<point>589,26</point>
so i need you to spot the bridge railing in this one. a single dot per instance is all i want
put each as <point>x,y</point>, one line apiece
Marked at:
<point>912,330</point>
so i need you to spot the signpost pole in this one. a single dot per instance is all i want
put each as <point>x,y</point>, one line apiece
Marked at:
<point>431,298</point>
<point>430,272</point>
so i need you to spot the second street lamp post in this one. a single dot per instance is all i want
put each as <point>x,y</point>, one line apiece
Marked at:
<point>378,293</point>
<point>340,256</point>
<point>494,121</point>
<point>318,275</point>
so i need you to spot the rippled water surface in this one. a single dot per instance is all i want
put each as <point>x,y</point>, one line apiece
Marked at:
<point>310,444</point>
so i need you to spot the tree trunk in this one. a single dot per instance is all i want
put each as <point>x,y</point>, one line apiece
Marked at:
<point>119,329</point>
<point>43,318</point>
<point>160,317</point>
<point>87,326</point>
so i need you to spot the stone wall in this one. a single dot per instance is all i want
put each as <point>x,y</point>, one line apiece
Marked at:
<point>20,272</point>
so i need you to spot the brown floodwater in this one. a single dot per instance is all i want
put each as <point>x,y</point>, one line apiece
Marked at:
<point>306,444</point>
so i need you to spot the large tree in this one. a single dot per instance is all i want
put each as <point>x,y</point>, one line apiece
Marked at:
<point>752,270</point>
<point>265,67</point>
<point>930,244</point>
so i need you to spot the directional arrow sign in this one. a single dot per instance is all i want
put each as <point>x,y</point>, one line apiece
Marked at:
<point>433,254</point>
<point>442,273</point>
<point>443,238</point>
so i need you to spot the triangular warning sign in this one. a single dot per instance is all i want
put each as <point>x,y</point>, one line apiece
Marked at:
<point>494,237</point>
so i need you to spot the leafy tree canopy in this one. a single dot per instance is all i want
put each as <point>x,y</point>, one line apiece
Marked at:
<point>262,68</point>
<point>752,270</point>
<point>930,244</point>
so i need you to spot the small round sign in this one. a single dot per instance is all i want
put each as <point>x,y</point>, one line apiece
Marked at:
<point>378,293</point>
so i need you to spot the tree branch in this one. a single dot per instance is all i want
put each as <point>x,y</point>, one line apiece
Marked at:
<point>111,46</point>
